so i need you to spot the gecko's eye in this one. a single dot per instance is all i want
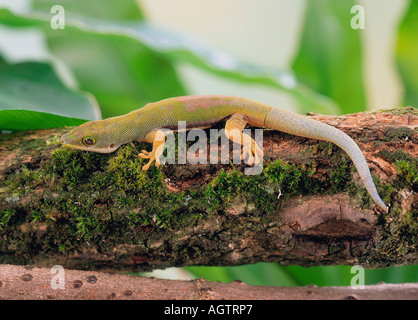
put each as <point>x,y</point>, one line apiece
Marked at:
<point>89,141</point>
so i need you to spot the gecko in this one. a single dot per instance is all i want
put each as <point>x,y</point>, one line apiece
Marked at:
<point>147,124</point>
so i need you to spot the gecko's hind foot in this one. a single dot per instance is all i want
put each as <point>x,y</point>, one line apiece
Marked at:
<point>234,131</point>
<point>251,151</point>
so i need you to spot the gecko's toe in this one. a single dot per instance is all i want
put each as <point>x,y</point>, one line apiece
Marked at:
<point>257,160</point>
<point>259,151</point>
<point>250,159</point>
<point>247,154</point>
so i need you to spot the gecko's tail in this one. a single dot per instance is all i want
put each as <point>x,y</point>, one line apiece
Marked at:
<point>299,125</point>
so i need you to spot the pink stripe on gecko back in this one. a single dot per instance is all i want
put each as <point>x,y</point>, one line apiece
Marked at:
<point>254,111</point>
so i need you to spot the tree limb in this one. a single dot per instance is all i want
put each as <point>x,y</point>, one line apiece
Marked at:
<point>33,283</point>
<point>93,211</point>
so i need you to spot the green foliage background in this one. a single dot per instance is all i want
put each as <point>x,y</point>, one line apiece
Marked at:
<point>121,62</point>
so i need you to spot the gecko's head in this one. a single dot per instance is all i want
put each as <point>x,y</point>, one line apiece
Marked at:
<point>91,136</point>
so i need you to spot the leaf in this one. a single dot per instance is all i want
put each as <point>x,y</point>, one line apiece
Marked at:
<point>272,274</point>
<point>320,275</point>
<point>32,120</point>
<point>400,274</point>
<point>407,53</point>
<point>267,274</point>
<point>35,86</point>
<point>211,273</point>
<point>121,74</point>
<point>330,54</point>
<point>169,47</point>
<point>99,9</point>
<point>263,274</point>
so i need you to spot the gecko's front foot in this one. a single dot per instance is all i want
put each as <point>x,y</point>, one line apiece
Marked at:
<point>158,139</point>
<point>151,156</point>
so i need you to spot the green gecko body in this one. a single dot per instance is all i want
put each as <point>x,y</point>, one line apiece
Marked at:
<point>202,112</point>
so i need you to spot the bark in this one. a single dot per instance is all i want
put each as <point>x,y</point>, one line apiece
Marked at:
<point>93,211</point>
<point>33,283</point>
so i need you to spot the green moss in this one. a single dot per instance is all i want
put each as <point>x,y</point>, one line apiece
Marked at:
<point>228,185</point>
<point>399,235</point>
<point>5,217</point>
<point>407,174</point>
<point>341,176</point>
<point>291,179</point>
<point>125,169</point>
<point>94,192</point>
<point>400,111</point>
<point>327,149</point>
<point>74,167</point>
<point>398,133</point>
<point>397,155</point>
<point>279,180</point>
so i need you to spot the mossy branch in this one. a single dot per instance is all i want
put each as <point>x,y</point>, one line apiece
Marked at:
<point>86,210</point>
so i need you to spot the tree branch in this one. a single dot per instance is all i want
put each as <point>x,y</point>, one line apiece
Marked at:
<point>34,283</point>
<point>94,211</point>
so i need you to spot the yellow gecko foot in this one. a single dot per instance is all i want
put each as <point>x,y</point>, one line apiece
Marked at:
<point>234,131</point>
<point>251,150</point>
<point>151,156</point>
<point>158,139</point>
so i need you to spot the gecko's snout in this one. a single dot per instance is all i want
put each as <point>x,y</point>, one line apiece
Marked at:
<point>63,138</point>
<point>66,139</point>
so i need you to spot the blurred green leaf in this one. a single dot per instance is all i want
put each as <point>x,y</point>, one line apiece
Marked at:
<point>211,273</point>
<point>330,54</point>
<point>100,9</point>
<point>119,73</point>
<point>272,274</point>
<point>401,274</point>
<point>139,42</point>
<point>122,74</point>
<point>263,274</point>
<point>35,86</point>
<point>407,53</point>
<point>31,120</point>
<point>321,275</point>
